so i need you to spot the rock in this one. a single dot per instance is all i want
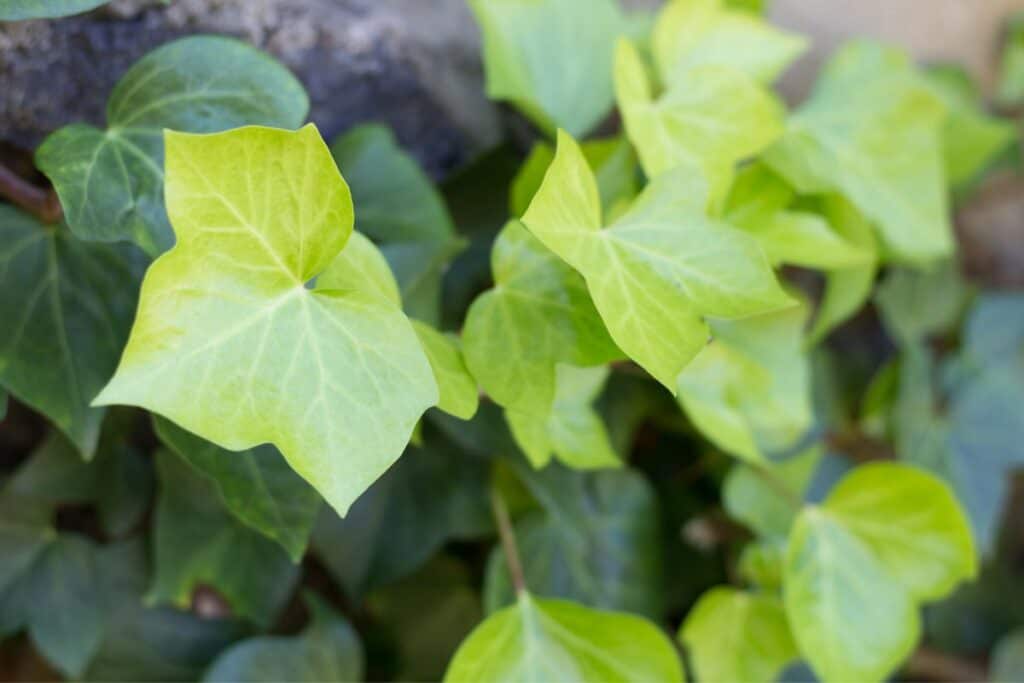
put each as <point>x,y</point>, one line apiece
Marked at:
<point>410,64</point>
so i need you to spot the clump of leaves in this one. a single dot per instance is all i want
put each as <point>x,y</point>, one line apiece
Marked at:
<point>314,417</point>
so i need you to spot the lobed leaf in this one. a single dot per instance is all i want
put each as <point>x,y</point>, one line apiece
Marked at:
<point>111,182</point>
<point>551,58</point>
<point>231,344</point>
<point>542,640</point>
<point>659,268</point>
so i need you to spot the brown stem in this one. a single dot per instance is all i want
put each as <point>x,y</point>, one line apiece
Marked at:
<point>860,447</point>
<point>41,203</point>
<point>932,665</point>
<point>508,541</point>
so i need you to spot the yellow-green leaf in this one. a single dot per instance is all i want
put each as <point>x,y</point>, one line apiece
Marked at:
<point>232,345</point>
<point>657,270</point>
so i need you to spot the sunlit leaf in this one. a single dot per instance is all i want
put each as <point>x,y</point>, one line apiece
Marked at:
<point>554,640</point>
<point>657,270</point>
<point>229,342</point>
<point>551,58</point>
<point>733,635</point>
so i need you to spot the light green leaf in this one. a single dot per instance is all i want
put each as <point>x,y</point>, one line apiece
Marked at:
<point>714,118</point>
<point>327,650</point>
<point>595,540</point>
<point>229,342</point>
<point>913,524</point>
<point>733,635</point>
<point>756,494</point>
<point>67,308</point>
<point>538,315</point>
<point>1010,88</point>
<point>872,132</point>
<point>18,10</point>
<point>197,542</point>
<point>554,640</point>
<point>433,494</point>
<point>418,241</point>
<point>573,431</point>
<point>111,182</point>
<point>749,390</point>
<point>612,160</point>
<point>551,58</point>
<point>850,618</point>
<point>459,394</point>
<point>760,564</point>
<point>658,269</point>
<point>256,486</point>
<point>692,33</point>
<point>805,239</point>
<point>971,138</point>
<point>846,290</point>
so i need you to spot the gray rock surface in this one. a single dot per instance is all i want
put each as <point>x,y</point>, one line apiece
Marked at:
<point>412,64</point>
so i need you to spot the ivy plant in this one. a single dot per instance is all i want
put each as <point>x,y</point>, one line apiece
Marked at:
<point>679,383</point>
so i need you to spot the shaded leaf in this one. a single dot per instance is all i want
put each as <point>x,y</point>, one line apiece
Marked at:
<point>68,307</point>
<point>111,182</point>
<point>18,10</point>
<point>256,486</point>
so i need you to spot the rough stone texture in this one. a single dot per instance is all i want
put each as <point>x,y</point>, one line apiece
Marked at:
<point>412,64</point>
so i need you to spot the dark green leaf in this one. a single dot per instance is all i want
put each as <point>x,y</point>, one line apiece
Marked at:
<point>596,540</point>
<point>111,181</point>
<point>67,308</point>
<point>328,650</point>
<point>256,485</point>
<point>198,543</point>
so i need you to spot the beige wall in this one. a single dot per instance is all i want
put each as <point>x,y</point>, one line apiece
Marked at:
<point>963,31</point>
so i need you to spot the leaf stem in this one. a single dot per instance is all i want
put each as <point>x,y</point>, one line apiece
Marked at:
<point>41,203</point>
<point>508,541</point>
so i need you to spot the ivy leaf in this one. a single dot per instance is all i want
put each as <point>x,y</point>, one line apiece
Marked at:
<point>58,601</point>
<point>915,304</point>
<point>612,160</point>
<point>538,640</point>
<point>872,132</point>
<point>1010,87</point>
<point>851,620</point>
<point>694,33</point>
<point>433,494</point>
<point>596,540</point>
<point>68,307</point>
<point>327,650</point>
<point>657,270</point>
<point>913,524</point>
<point>887,537</point>
<point>710,120</point>
<point>111,182</point>
<point>749,390</point>
<point>3,403</point>
<point>733,635</point>
<point>971,138</point>
<point>419,241</point>
<point>256,486</point>
<point>18,10</point>
<point>26,529</point>
<point>573,431</point>
<point>847,289</point>
<point>459,393</point>
<point>198,543</point>
<point>243,353</point>
<point>551,58</point>
<point>538,315</point>
<point>751,499</point>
